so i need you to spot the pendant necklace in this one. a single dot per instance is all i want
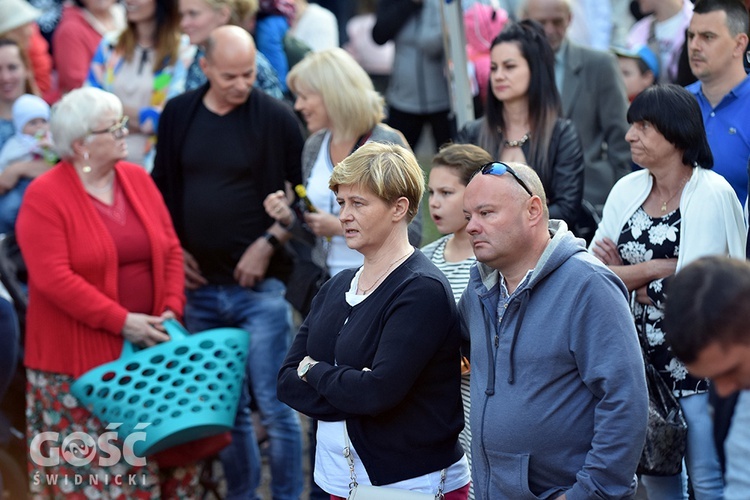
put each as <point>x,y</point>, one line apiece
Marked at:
<point>365,291</point>
<point>679,190</point>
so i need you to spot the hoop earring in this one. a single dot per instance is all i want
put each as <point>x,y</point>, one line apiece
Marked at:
<point>86,167</point>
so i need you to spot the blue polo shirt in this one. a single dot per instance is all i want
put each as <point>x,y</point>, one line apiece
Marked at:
<point>728,130</point>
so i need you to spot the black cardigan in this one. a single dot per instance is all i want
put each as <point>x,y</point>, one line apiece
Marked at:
<point>405,415</point>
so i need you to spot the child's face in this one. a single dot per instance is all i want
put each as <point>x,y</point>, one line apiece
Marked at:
<point>446,199</point>
<point>35,126</point>
<point>635,81</point>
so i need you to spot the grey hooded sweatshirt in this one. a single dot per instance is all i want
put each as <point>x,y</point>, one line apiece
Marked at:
<point>558,391</point>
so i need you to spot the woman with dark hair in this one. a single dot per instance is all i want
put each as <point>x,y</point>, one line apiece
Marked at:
<point>76,38</point>
<point>523,120</point>
<point>655,222</point>
<point>144,66</point>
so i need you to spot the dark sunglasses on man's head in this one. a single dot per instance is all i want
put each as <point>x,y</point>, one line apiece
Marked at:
<point>499,168</point>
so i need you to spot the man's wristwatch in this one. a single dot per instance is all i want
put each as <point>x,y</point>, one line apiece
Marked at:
<point>303,371</point>
<point>273,240</point>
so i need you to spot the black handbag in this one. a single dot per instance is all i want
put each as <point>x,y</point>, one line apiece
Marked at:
<point>306,277</point>
<point>666,435</point>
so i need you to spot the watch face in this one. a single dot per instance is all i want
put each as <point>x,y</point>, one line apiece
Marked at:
<point>304,370</point>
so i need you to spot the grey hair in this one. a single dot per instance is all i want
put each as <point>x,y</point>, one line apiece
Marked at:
<point>532,180</point>
<point>77,114</point>
<point>523,8</point>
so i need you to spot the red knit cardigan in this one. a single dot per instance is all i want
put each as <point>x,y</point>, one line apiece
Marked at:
<point>74,321</point>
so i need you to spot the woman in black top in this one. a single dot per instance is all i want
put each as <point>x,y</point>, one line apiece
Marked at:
<point>377,359</point>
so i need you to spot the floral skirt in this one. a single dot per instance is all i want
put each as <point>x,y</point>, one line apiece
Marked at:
<point>61,465</point>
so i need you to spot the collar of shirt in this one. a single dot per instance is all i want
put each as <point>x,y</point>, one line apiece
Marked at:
<point>560,58</point>
<point>504,298</point>
<point>742,90</point>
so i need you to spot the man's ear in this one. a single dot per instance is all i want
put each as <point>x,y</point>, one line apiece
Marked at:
<point>535,210</point>
<point>741,46</point>
<point>400,208</point>
<point>203,62</point>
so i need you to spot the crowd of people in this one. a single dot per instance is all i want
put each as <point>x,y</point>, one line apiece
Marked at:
<point>178,159</point>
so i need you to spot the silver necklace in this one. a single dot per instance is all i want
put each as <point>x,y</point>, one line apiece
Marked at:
<point>365,291</point>
<point>517,144</point>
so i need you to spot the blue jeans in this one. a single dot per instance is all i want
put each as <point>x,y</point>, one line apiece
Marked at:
<point>265,314</point>
<point>10,203</point>
<point>9,335</point>
<point>701,458</point>
<point>737,447</point>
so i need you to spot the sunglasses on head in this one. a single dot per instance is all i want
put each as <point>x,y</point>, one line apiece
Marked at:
<point>499,168</point>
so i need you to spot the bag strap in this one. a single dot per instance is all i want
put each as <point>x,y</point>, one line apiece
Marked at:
<point>353,475</point>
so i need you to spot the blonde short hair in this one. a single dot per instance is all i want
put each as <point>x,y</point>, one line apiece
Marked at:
<point>239,10</point>
<point>351,101</point>
<point>389,171</point>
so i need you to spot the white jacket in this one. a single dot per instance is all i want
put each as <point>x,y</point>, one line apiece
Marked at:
<point>712,219</point>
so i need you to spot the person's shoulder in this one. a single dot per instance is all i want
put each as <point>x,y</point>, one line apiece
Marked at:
<point>49,181</point>
<point>134,174</point>
<point>131,169</point>
<point>694,88</point>
<point>589,58</point>
<point>429,249</point>
<point>566,127</point>
<point>591,273</point>
<point>385,133</point>
<point>637,179</point>
<point>708,181</point>
<point>261,102</point>
<point>423,271</point>
<point>469,133</point>
<point>743,90</point>
<point>319,12</point>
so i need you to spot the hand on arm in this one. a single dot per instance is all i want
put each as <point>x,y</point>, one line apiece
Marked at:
<point>636,276</point>
<point>606,251</point>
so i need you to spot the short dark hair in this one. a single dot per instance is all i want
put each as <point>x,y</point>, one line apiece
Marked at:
<point>676,115</point>
<point>708,301</point>
<point>737,15</point>
<point>465,159</point>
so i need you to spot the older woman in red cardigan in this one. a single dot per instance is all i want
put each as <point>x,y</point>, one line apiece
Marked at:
<point>104,265</point>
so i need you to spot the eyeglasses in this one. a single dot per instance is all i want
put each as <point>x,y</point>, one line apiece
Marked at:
<point>499,168</point>
<point>117,130</point>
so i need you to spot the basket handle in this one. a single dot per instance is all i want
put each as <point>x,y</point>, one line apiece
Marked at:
<point>174,329</point>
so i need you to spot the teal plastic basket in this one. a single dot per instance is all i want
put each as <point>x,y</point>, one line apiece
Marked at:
<point>175,392</point>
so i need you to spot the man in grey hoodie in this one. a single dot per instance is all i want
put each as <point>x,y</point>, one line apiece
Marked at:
<point>559,398</point>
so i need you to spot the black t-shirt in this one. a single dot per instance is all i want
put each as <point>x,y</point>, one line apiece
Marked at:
<point>222,207</point>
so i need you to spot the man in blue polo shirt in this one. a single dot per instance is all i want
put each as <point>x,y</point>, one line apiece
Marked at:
<point>717,40</point>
